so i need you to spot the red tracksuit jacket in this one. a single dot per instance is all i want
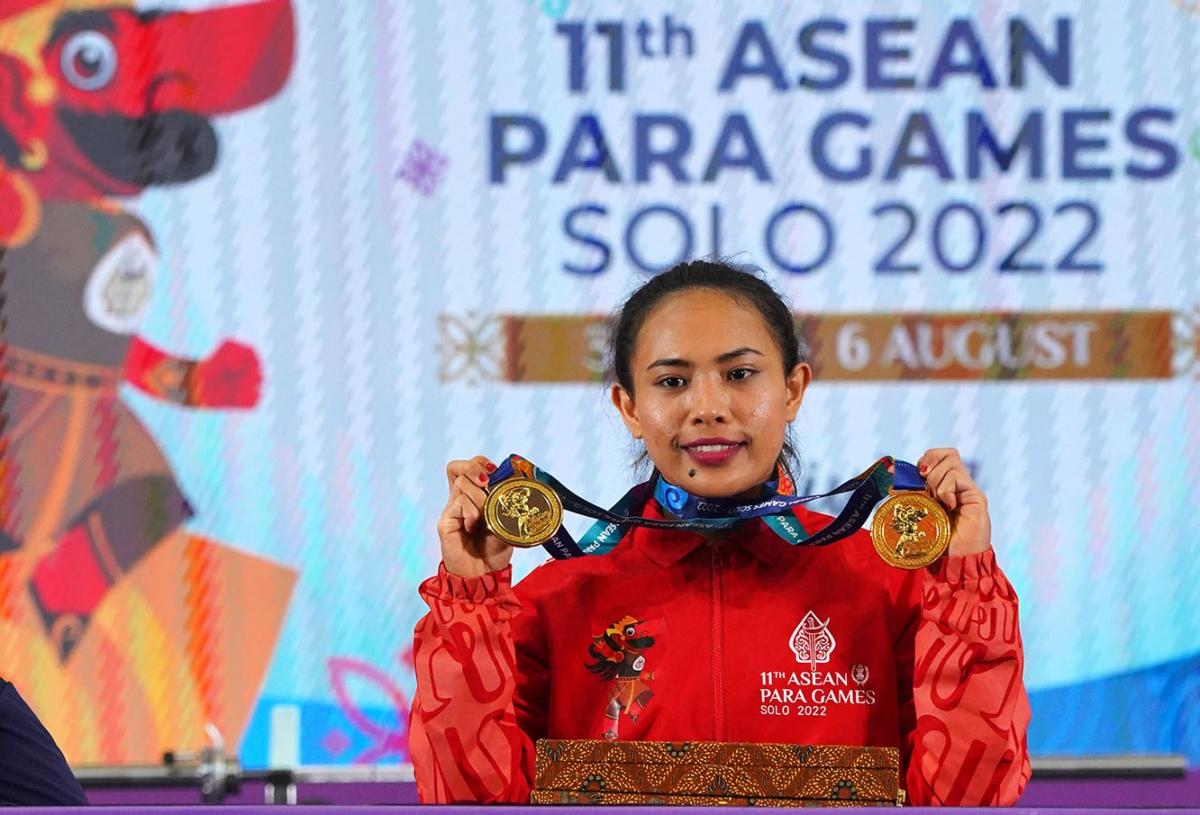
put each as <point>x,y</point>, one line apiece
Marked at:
<point>670,639</point>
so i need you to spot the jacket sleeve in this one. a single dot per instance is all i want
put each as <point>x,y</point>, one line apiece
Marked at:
<point>478,705</point>
<point>964,724</point>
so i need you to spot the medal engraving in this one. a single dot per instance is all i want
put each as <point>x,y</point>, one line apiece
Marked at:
<point>523,512</point>
<point>910,530</point>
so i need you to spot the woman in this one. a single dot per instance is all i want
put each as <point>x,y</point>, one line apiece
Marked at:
<point>738,636</point>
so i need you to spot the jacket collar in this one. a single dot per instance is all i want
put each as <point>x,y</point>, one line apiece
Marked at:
<point>667,547</point>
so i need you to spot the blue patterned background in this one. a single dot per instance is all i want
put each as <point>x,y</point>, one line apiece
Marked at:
<point>316,241</point>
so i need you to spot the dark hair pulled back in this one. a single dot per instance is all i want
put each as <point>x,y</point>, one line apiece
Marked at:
<point>741,283</point>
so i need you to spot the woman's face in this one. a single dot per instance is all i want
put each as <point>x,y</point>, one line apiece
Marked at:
<point>710,396</point>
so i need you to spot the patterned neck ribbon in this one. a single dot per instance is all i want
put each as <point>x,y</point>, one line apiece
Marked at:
<point>698,514</point>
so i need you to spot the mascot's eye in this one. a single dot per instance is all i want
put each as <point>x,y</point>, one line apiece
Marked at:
<point>89,60</point>
<point>630,630</point>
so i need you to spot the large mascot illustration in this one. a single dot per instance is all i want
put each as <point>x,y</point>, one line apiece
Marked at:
<point>126,632</point>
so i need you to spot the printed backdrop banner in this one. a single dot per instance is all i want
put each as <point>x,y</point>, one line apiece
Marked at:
<point>270,264</point>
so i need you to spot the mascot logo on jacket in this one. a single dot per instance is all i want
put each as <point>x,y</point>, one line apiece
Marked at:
<point>128,633</point>
<point>619,656</point>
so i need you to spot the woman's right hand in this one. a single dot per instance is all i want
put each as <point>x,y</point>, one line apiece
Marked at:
<point>468,548</point>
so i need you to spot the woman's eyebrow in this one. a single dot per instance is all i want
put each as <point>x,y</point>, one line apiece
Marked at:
<point>669,362</point>
<point>678,362</point>
<point>737,352</point>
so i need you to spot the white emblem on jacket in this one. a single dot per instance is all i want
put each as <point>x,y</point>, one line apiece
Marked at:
<point>812,641</point>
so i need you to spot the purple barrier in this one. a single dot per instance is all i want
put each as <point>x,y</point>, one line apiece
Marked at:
<point>493,810</point>
<point>253,793</point>
<point>1047,793</point>
<point>1114,792</point>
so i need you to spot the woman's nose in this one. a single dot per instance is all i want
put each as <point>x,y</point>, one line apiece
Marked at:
<point>709,402</point>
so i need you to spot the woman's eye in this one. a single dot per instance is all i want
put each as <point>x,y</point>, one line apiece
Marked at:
<point>741,373</point>
<point>672,382</point>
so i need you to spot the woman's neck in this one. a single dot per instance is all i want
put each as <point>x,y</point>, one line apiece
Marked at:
<point>714,537</point>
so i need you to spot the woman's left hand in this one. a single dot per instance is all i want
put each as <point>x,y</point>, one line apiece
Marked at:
<point>949,482</point>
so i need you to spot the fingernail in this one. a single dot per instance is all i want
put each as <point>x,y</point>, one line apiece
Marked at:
<point>921,468</point>
<point>482,478</point>
<point>491,468</point>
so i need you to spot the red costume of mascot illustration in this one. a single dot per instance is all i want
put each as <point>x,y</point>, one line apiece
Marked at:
<point>127,633</point>
<point>618,655</point>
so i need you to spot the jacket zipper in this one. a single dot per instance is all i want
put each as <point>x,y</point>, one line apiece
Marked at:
<point>718,648</point>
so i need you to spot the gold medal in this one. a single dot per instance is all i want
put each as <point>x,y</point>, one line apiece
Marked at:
<point>910,530</point>
<point>523,512</point>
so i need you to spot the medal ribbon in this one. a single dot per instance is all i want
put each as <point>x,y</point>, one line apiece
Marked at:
<point>698,514</point>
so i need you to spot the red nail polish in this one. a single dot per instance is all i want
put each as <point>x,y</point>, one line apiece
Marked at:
<point>491,468</point>
<point>482,478</point>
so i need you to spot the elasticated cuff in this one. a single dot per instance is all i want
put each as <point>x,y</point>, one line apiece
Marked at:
<point>474,589</point>
<point>958,570</point>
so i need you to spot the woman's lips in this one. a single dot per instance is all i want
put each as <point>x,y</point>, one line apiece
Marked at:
<point>713,452</point>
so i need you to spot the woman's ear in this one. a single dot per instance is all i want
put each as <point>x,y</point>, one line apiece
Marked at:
<point>797,383</point>
<point>623,401</point>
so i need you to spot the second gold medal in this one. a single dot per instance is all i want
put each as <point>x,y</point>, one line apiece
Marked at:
<point>910,530</point>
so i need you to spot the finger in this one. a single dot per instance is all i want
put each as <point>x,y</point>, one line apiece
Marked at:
<point>947,491</point>
<point>481,465</point>
<point>453,514</point>
<point>460,513</point>
<point>477,469</point>
<point>933,457</point>
<point>453,470</point>
<point>936,471</point>
<point>944,488</point>
<point>469,512</point>
<point>472,490</point>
